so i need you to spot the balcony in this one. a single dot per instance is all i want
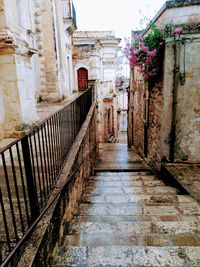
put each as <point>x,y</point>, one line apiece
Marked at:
<point>69,16</point>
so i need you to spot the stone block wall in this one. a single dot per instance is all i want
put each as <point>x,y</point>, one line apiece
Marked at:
<point>187,145</point>
<point>46,49</point>
<point>154,129</point>
<point>138,92</point>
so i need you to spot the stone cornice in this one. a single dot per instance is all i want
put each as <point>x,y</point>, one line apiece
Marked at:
<point>10,42</point>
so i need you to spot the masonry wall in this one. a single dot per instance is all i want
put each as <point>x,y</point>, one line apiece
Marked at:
<point>17,66</point>
<point>35,60</point>
<point>137,102</point>
<point>160,107</point>
<point>154,128</point>
<point>188,102</point>
<point>184,52</point>
<point>44,20</point>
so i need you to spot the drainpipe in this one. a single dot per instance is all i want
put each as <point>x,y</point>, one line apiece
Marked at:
<point>175,93</point>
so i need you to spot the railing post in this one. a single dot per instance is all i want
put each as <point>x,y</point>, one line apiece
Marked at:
<point>31,186</point>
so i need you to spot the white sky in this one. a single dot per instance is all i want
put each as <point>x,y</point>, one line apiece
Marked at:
<point>120,16</point>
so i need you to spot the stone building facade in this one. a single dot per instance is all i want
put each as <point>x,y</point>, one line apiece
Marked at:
<point>122,86</point>
<point>164,123</point>
<point>35,58</point>
<point>96,52</point>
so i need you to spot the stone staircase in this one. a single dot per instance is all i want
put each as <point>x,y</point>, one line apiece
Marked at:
<point>131,219</point>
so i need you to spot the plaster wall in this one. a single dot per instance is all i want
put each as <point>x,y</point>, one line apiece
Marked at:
<point>188,103</point>
<point>179,15</point>
<point>17,69</point>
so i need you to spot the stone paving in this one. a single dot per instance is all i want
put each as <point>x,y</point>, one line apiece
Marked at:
<point>130,218</point>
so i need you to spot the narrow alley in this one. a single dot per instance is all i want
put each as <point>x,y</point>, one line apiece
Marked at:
<point>130,217</point>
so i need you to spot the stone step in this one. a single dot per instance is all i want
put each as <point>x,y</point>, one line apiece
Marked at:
<point>135,218</point>
<point>136,198</point>
<point>127,239</point>
<point>123,178</point>
<point>129,216</point>
<point>127,256</point>
<point>188,209</point>
<point>129,174</point>
<point>140,167</point>
<point>126,183</point>
<point>134,228</point>
<point>157,190</point>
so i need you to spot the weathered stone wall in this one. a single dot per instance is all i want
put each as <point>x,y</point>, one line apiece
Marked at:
<point>51,229</point>
<point>154,127</point>
<point>35,60</point>
<point>17,71</point>
<point>187,145</point>
<point>178,12</point>
<point>167,91</point>
<point>44,20</point>
<point>184,53</point>
<point>137,105</point>
<point>187,130</point>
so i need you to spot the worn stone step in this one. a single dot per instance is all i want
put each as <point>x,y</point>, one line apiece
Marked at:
<point>129,209</point>
<point>134,209</point>
<point>125,239</point>
<point>135,218</point>
<point>122,168</point>
<point>127,256</point>
<point>136,198</point>
<point>157,190</point>
<point>125,183</point>
<point>136,228</point>
<point>129,174</point>
<point>110,178</point>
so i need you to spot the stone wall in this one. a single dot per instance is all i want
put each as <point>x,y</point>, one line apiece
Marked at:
<point>51,229</point>
<point>154,127</point>
<point>188,102</point>
<point>174,104</point>
<point>35,60</point>
<point>44,20</point>
<point>17,66</point>
<point>137,95</point>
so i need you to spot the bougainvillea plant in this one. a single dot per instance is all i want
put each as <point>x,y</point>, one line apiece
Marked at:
<point>146,53</point>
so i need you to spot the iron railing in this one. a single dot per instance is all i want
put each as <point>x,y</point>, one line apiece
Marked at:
<point>30,167</point>
<point>69,11</point>
<point>74,14</point>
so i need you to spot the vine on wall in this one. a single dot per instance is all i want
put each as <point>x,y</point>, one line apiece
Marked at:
<point>146,51</point>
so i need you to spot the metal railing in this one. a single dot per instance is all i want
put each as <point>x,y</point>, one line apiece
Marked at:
<point>74,14</point>
<point>30,167</point>
<point>69,11</point>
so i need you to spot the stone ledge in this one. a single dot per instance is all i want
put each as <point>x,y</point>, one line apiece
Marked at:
<point>184,175</point>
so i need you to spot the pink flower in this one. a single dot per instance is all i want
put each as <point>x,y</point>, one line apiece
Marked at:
<point>177,31</point>
<point>143,47</point>
<point>146,76</point>
<point>152,53</point>
<point>148,60</point>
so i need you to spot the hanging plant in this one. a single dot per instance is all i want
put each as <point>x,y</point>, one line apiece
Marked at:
<point>146,53</point>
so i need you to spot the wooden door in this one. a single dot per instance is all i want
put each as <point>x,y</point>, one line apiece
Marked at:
<point>82,79</point>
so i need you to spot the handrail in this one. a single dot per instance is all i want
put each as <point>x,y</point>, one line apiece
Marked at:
<point>59,191</point>
<point>40,123</point>
<point>30,167</point>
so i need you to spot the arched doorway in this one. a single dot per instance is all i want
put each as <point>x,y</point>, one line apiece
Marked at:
<point>82,79</point>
